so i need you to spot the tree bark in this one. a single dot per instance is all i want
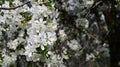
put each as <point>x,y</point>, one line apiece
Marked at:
<point>113,24</point>
<point>114,34</point>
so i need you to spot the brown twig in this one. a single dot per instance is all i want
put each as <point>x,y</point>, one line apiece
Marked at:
<point>13,8</point>
<point>95,4</point>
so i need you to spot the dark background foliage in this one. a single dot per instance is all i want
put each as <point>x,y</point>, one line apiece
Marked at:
<point>107,8</point>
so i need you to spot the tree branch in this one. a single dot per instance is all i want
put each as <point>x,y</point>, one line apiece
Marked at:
<point>13,8</point>
<point>95,4</point>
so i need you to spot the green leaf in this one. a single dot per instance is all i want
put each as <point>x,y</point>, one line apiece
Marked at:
<point>2,13</point>
<point>48,21</point>
<point>49,3</point>
<point>1,57</point>
<point>11,4</point>
<point>26,15</point>
<point>19,47</point>
<point>43,52</point>
<point>2,2</point>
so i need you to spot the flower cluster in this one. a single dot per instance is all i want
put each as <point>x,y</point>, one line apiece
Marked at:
<point>26,30</point>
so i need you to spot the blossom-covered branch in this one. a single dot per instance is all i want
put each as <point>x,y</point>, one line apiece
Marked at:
<point>13,8</point>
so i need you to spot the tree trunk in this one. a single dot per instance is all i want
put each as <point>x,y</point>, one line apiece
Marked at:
<point>114,34</point>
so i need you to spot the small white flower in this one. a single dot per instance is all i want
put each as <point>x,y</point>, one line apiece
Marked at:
<point>90,57</point>
<point>62,34</point>
<point>7,60</point>
<point>42,47</point>
<point>74,45</point>
<point>13,44</point>
<point>6,4</point>
<point>82,22</point>
<point>50,53</point>
<point>89,2</point>
<point>35,57</point>
<point>29,50</point>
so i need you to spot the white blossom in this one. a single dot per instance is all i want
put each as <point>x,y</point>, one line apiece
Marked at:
<point>8,59</point>
<point>29,49</point>
<point>13,44</point>
<point>74,45</point>
<point>62,34</point>
<point>90,57</point>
